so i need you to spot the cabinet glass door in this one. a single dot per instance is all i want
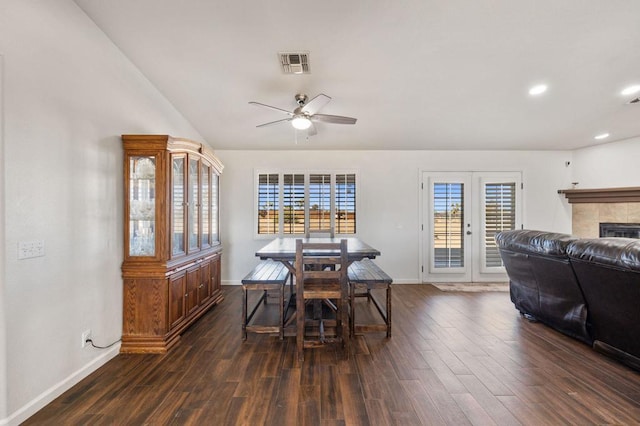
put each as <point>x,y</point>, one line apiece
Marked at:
<point>206,205</point>
<point>178,204</point>
<point>215,196</point>
<point>142,205</point>
<point>193,220</point>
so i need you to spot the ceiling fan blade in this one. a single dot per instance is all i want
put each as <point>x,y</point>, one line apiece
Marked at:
<point>273,122</point>
<point>316,104</point>
<point>336,119</point>
<point>271,107</point>
<point>312,131</point>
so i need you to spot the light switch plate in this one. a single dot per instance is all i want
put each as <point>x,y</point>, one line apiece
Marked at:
<point>29,249</point>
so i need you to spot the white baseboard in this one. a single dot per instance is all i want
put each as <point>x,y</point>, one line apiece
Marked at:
<point>58,389</point>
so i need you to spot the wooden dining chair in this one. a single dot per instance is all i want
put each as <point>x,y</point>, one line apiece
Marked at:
<point>321,296</point>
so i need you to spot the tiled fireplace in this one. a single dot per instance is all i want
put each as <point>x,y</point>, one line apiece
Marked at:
<point>586,217</point>
<point>591,207</point>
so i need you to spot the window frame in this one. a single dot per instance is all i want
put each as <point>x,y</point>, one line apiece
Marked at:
<point>307,173</point>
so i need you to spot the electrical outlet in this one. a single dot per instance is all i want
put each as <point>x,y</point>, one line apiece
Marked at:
<point>86,335</point>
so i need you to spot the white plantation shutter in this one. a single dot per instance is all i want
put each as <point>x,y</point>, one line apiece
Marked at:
<point>448,225</point>
<point>268,203</point>
<point>499,215</point>
<point>319,201</point>
<point>293,203</point>
<point>345,204</point>
<point>287,203</point>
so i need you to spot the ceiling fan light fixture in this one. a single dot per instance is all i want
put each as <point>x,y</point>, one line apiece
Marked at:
<point>301,122</point>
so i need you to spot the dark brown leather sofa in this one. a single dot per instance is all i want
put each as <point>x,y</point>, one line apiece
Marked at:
<point>543,285</point>
<point>586,288</point>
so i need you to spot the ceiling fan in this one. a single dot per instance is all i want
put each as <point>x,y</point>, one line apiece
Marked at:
<point>305,114</point>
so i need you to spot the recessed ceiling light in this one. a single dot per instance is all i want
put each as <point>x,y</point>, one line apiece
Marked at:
<point>602,136</point>
<point>631,90</point>
<point>538,89</point>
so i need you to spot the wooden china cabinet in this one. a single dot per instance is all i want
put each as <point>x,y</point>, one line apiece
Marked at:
<point>171,267</point>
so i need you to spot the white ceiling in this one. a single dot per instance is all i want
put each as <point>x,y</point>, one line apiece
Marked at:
<point>418,74</point>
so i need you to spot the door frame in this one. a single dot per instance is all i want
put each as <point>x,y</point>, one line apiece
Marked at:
<point>474,216</point>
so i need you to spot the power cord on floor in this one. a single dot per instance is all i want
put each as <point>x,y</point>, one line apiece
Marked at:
<point>102,347</point>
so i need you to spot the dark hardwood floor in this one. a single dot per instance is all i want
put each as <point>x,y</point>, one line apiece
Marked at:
<point>454,358</point>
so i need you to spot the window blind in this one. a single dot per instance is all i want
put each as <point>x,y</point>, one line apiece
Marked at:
<point>500,215</point>
<point>288,202</point>
<point>345,204</point>
<point>268,203</point>
<point>293,203</point>
<point>319,201</point>
<point>448,225</point>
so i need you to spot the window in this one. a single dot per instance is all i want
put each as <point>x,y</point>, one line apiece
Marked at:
<point>500,215</point>
<point>448,224</point>
<point>288,203</point>
<point>293,203</point>
<point>345,204</point>
<point>320,201</point>
<point>268,198</point>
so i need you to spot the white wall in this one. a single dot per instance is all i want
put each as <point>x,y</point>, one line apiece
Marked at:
<point>610,165</point>
<point>68,95</point>
<point>388,197</point>
<point>3,306</point>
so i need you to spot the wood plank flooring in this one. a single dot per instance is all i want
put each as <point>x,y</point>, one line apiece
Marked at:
<point>454,359</point>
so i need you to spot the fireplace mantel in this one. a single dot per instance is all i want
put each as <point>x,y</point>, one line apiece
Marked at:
<point>602,195</point>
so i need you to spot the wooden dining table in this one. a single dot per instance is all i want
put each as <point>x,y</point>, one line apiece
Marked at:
<point>284,250</point>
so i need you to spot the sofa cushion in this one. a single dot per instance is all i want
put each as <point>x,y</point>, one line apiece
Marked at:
<point>623,253</point>
<point>538,242</point>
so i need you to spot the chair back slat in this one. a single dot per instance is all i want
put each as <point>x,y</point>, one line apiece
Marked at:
<point>321,260</point>
<point>325,275</point>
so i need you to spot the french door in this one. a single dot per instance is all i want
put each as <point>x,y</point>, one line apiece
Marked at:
<point>462,213</point>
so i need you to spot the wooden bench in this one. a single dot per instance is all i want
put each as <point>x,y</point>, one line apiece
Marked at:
<point>366,275</point>
<point>267,275</point>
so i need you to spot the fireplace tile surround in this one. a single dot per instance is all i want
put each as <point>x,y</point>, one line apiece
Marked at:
<point>590,207</point>
<point>586,217</point>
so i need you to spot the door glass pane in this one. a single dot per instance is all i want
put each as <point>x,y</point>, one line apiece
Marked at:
<point>177,216</point>
<point>500,215</point>
<point>268,204</point>
<point>142,205</point>
<point>345,204</point>
<point>293,203</point>
<point>319,201</point>
<point>448,225</point>
<point>193,220</point>
<point>206,205</point>
<point>215,234</point>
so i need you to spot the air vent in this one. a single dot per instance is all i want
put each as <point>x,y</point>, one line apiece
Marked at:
<point>294,62</point>
<point>634,101</point>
